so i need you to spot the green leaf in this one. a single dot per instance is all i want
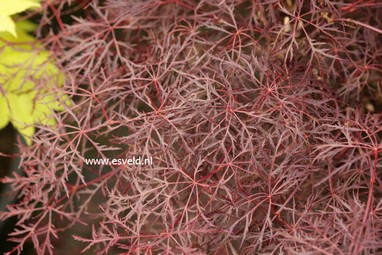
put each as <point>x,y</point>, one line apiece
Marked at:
<point>7,24</point>
<point>4,112</point>
<point>21,108</point>
<point>11,7</point>
<point>22,67</point>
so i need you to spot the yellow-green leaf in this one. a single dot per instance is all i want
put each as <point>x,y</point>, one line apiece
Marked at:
<point>23,66</point>
<point>21,107</point>
<point>4,112</point>
<point>7,24</point>
<point>11,7</point>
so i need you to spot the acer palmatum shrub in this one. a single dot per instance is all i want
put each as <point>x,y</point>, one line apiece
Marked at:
<point>262,118</point>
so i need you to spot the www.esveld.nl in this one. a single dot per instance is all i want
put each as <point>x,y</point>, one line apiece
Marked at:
<point>133,161</point>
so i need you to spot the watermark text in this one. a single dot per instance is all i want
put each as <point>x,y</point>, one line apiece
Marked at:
<point>133,161</point>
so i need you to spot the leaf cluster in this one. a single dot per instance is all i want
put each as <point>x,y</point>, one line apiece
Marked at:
<point>256,113</point>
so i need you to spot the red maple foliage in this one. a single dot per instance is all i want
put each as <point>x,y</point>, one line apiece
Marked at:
<point>262,118</point>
